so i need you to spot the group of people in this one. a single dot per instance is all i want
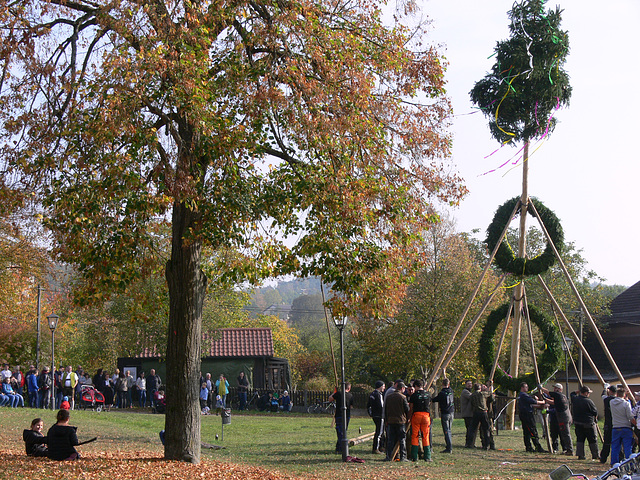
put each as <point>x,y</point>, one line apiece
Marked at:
<point>402,407</point>
<point>620,421</point>
<point>393,409</point>
<point>58,444</point>
<point>37,389</point>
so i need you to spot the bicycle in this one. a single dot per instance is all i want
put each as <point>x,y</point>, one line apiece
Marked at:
<point>252,402</point>
<point>322,407</point>
<point>628,469</point>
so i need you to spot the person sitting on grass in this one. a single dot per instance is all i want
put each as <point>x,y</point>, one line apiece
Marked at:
<point>16,399</point>
<point>62,439</point>
<point>35,443</point>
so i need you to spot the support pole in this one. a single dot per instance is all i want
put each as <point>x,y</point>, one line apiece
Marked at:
<point>326,317</point>
<point>594,327</point>
<point>473,323</point>
<point>575,336</point>
<point>501,343</point>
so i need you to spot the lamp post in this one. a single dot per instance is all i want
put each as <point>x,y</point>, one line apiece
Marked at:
<point>341,322</point>
<point>53,323</point>
<point>566,347</point>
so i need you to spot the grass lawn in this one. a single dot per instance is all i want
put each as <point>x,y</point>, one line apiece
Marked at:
<point>260,446</point>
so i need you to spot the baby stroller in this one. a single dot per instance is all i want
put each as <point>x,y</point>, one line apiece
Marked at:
<point>91,398</point>
<point>160,402</point>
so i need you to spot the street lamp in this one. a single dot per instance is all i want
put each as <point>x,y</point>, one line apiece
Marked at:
<point>341,322</point>
<point>566,347</point>
<point>53,323</point>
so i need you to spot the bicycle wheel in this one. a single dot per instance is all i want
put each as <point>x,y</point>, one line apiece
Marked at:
<point>312,409</point>
<point>331,409</point>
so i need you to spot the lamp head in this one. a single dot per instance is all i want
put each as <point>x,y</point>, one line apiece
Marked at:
<point>53,321</point>
<point>340,322</point>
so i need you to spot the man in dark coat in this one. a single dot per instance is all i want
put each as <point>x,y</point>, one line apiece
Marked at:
<point>374,408</point>
<point>341,431</point>
<point>526,405</point>
<point>447,407</point>
<point>585,415</point>
<point>396,409</point>
<point>608,394</point>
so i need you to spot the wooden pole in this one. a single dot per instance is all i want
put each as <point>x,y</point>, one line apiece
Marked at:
<point>501,343</point>
<point>473,323</point>
<point>575,336</point>
<point>326,317</point>
<point>472,297</point>
<point>594,327</point>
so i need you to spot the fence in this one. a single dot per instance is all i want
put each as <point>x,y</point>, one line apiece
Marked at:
<point>304,398</point>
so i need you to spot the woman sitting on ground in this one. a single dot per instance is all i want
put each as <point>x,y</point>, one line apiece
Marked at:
<point>34,442</point>
<point>62,439</point>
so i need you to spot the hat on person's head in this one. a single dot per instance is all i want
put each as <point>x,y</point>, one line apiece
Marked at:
<point>401,385</point>
<point>379,383</point>
<point>286,393</point>
<point>585,389</point>
<point>46,369</point>
<point>65,399</point>
<point>557,385</point>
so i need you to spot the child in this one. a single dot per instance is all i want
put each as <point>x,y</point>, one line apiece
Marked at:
<point>65,405</point>
<point>62,439</point>
<point>34,441</point>
<point>204,396</point>
<point>219,404</point>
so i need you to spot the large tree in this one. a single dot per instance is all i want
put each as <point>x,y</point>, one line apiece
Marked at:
<point>238,122</point>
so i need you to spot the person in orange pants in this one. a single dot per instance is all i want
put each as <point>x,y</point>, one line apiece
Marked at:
<point>419,404</point>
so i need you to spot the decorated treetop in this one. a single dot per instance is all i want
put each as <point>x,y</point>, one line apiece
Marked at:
<point>527,83</point>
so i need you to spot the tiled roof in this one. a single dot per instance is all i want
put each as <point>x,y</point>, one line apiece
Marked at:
<point>239,342</point>
<point>231,342</point>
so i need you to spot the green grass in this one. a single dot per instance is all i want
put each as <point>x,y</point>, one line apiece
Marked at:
<point>300,445</point>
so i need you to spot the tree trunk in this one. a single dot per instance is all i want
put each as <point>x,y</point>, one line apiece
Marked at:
<point>187,287</point>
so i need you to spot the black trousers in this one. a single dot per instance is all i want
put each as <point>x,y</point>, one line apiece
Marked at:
<point>529,431</point>
<point>377,437</point>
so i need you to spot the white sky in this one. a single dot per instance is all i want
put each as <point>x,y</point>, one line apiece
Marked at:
<point>588,170</point>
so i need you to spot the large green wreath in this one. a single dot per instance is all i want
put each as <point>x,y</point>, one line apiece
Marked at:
<point>505,257</point>
<point>548,361</point>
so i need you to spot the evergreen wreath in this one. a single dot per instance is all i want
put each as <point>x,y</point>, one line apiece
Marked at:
<point>547,361</point>
<point>506,259</point>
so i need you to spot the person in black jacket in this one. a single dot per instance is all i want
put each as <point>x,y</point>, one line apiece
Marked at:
<point>585,415</point>
<point>447,407</point>
<point>607,395</point>
<point>374,408</point>
<point>35,443</point>
<point>62,439</point>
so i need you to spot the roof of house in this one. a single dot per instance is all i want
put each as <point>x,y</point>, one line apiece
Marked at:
<point>625,307</point>
<point>231,342</point>
<point>239,342</point>
<point>621,335</point>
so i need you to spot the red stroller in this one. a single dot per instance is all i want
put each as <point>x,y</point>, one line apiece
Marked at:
<point>160,402</point>
<point>91,398</point>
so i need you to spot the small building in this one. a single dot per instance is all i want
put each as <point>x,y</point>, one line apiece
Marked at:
<point>228,351</point>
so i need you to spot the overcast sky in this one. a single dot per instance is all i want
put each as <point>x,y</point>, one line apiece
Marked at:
<point>588,170</point>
